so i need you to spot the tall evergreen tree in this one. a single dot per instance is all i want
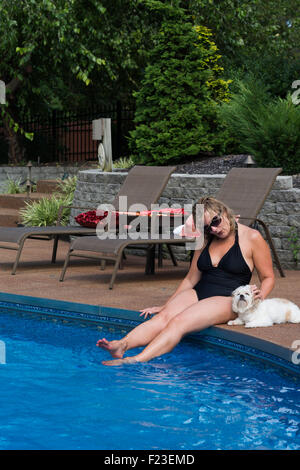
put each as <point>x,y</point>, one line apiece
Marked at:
<point>177,103</point>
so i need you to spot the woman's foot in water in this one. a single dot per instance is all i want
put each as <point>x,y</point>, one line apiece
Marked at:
<point>119,362</point>
<point>116,348</point>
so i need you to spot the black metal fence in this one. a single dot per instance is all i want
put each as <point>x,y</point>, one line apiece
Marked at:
<point>66,137</point>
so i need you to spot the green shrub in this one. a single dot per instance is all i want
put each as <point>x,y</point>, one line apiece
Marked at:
<point>67,186</point>
<point>277,72</point>
<point>14,187</point>
<point>45,211</point>
<point>265,127</point>
<point>176,106</point>
<point>123,162</point>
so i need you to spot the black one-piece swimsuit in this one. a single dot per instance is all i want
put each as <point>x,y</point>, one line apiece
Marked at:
<point>231,272</point>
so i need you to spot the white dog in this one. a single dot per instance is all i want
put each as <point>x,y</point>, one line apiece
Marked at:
<point>258,312</point>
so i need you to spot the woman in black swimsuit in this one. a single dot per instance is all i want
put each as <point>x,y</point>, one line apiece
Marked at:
<point>203,298</point>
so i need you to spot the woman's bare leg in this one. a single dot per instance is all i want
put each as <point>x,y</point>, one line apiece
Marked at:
<point>145,332</point>
<point>207,312</point>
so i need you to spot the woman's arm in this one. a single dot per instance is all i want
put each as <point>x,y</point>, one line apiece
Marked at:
<point>262,260</point>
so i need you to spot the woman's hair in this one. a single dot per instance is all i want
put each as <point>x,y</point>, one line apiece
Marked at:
<point>214,206</point>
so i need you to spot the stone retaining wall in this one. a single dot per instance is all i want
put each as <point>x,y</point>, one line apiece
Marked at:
<point>281,210</point>
<point>20,173</point>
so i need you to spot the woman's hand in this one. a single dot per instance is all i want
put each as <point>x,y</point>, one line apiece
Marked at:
<point>256,292</point>
<point>150,311</point>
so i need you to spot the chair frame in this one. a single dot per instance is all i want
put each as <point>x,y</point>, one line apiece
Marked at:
<point>118,254</point>
<point>19,235</point>
<point>249,212</point>
<point>118,251</point>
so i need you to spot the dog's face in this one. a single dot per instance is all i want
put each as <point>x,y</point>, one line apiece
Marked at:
<point>243,299</point>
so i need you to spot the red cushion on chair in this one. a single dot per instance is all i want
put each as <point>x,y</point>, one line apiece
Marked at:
<point>168,211</point>
<point>90,218</point>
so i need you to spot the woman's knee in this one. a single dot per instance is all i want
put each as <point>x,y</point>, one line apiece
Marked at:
<point>177,326</point>
<point>179,304</point>
<point>165,316</point>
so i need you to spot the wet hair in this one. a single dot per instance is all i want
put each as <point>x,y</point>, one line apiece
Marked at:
<point>215,207</point>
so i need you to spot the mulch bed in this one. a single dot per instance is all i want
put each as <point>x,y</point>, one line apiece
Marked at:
<point>219,165</point>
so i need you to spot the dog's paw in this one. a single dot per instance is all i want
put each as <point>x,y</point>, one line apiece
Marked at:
<point>257,325</point>
<point>237,321</point>
<point>251,325</point>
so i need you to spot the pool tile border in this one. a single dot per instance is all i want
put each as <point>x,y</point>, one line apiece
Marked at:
<point>227,339</point>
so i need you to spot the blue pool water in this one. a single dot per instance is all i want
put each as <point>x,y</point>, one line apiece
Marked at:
<point>56,394</point>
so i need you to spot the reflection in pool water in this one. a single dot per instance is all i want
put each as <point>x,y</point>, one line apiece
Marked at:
<point>56,394</point>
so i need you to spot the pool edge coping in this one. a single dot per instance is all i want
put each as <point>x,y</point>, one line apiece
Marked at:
<point>237,341</point>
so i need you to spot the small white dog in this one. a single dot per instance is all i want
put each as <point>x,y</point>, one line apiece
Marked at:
<point>254,313</point>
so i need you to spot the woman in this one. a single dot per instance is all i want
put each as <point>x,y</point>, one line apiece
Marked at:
<point>203,298</point>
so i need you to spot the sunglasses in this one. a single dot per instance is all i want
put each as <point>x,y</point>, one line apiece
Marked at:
<point>215,222</point>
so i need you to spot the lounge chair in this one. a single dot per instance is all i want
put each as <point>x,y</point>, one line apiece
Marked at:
<point>113,249</point>
<point>244,190</point>
<point>143,184</point>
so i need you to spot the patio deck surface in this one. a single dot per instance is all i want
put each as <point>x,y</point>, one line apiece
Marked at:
<point>86,283</point>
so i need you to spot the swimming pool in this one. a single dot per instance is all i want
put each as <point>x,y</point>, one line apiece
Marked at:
<point>55,394</point>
